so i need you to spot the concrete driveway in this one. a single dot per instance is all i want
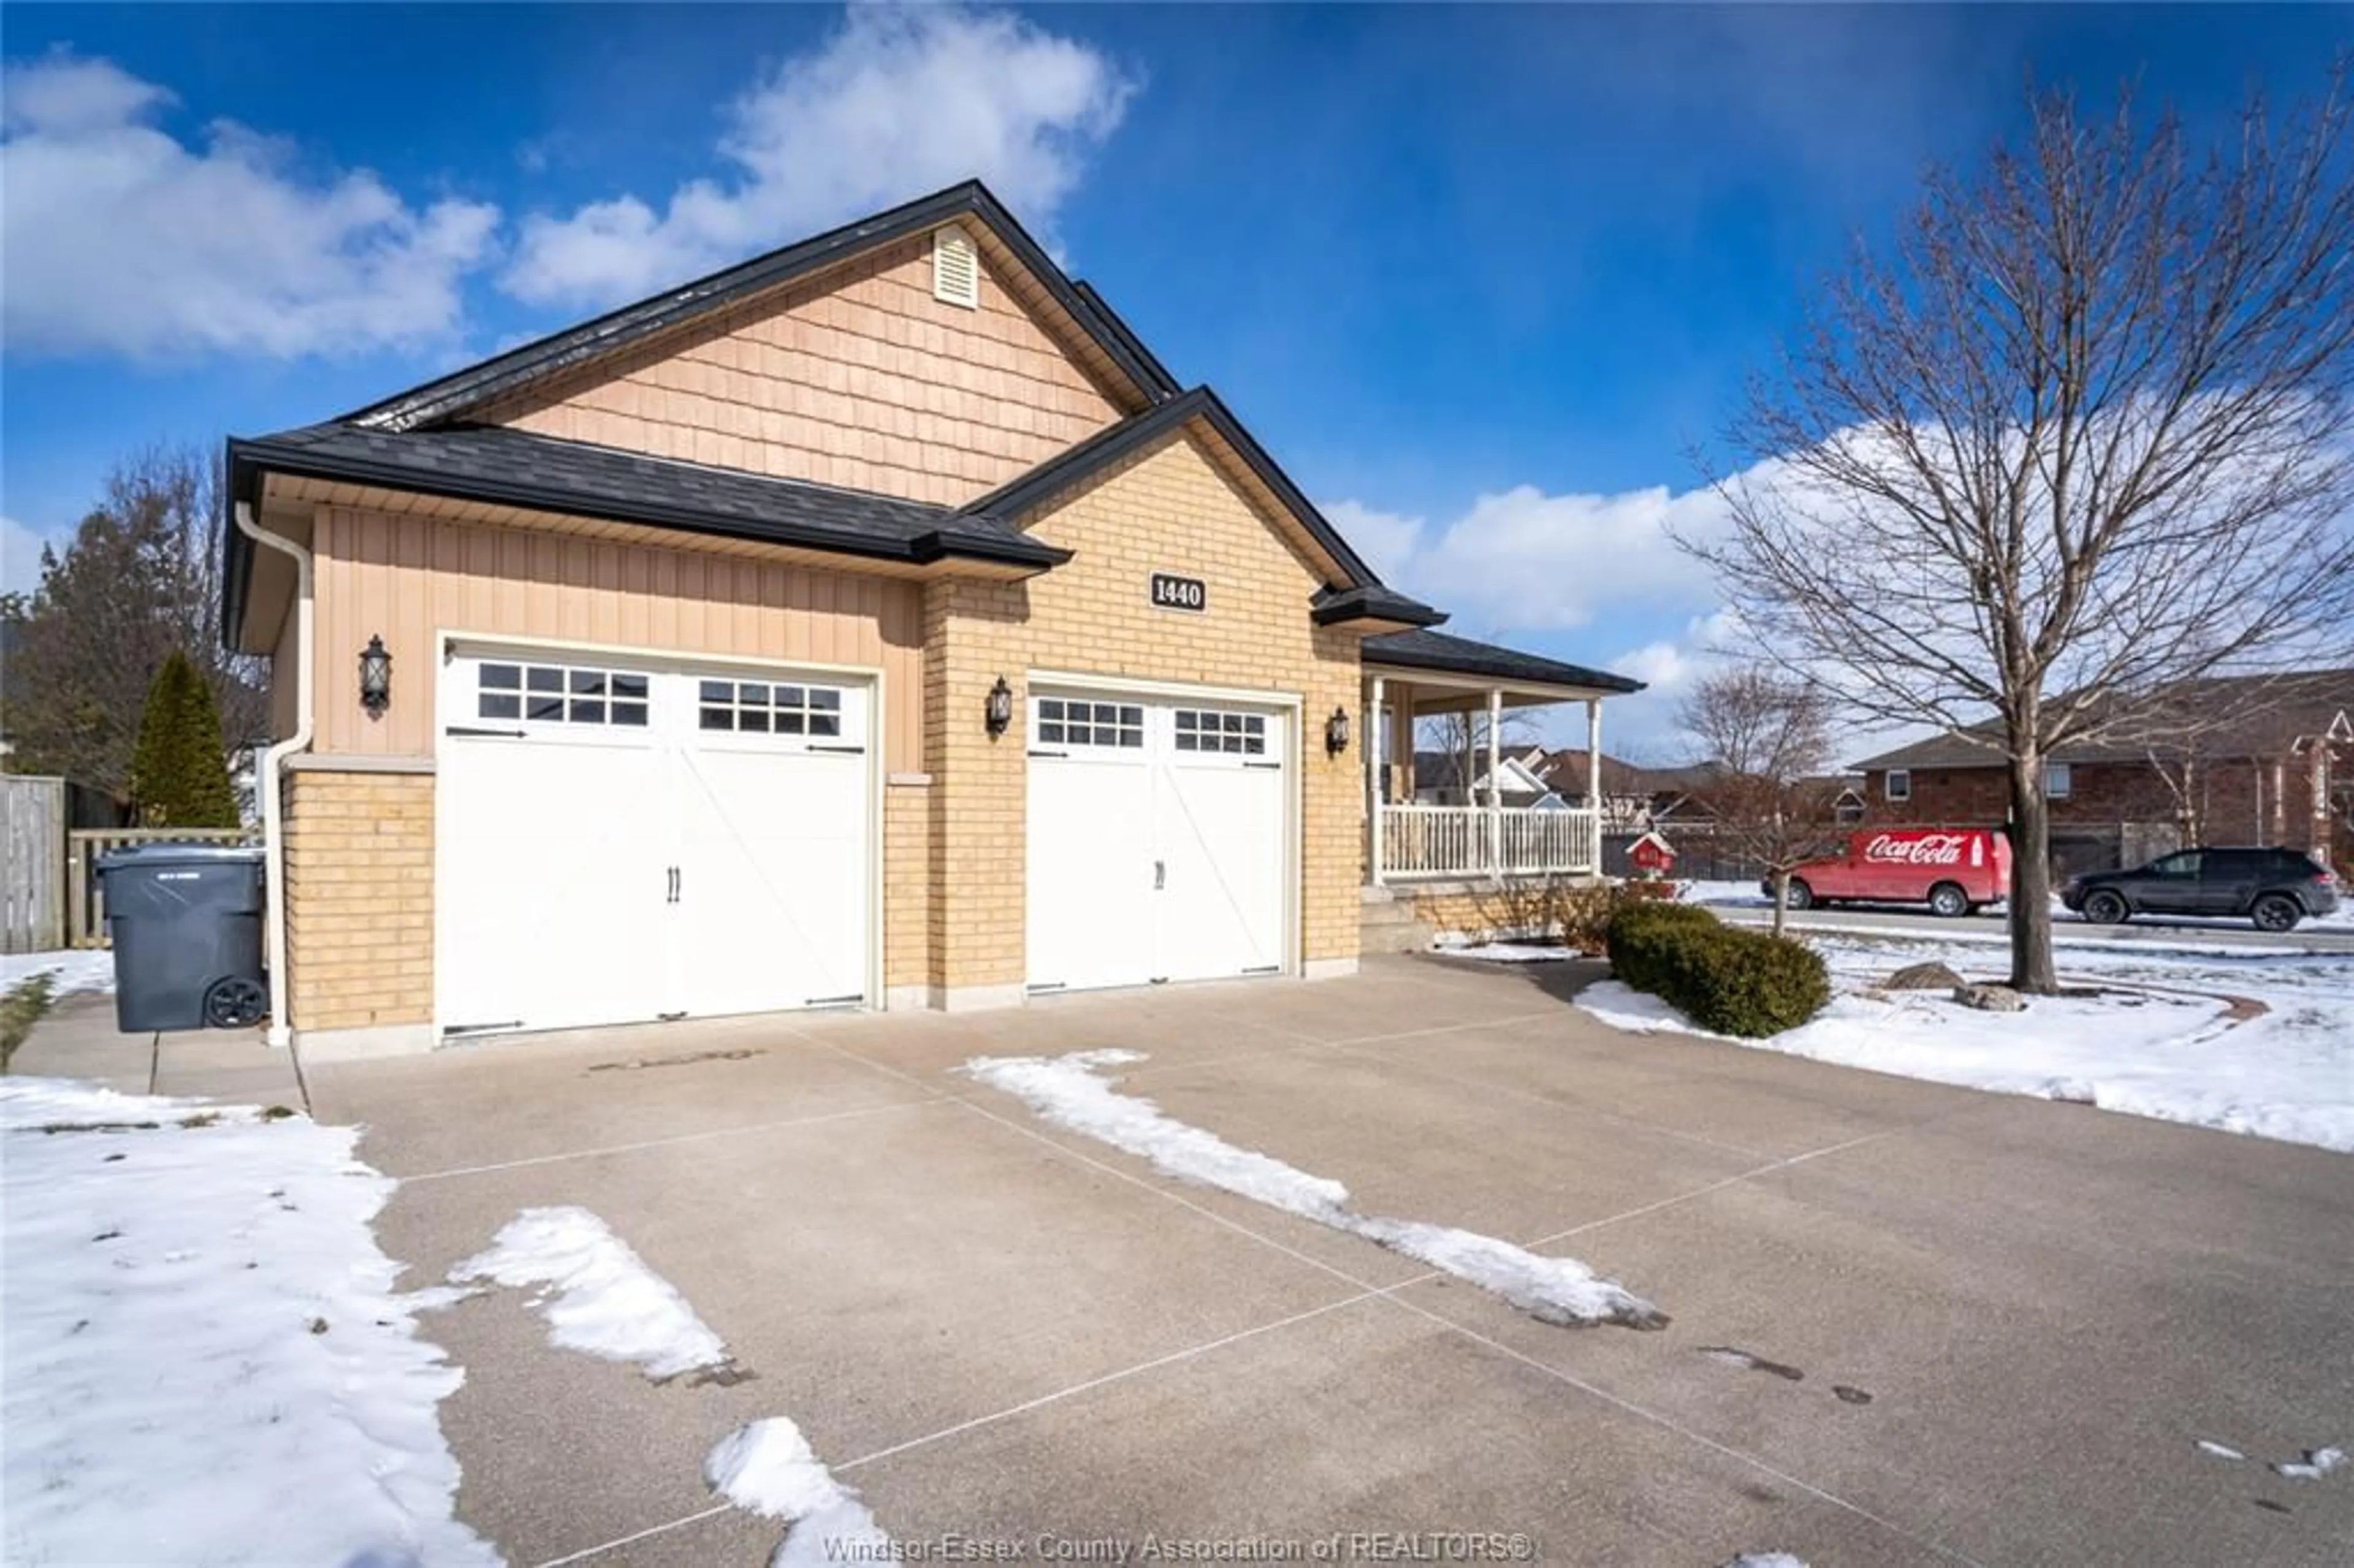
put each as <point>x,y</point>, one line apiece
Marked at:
<point>996,1328</point>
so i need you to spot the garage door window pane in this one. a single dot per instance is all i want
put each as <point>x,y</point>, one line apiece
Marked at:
<point>718,692</point>
<point>754,720</point>
<point>501,705</point>
<point>587,684</point>
<point>588,712</point>
<point>824,699</point>
<point>540,680</point>
<point>544,710</point>
<point>632,713</point>
<point>751,697</point>
<point>825,724</point>
<point>634,686</point>
<point>718,718</point>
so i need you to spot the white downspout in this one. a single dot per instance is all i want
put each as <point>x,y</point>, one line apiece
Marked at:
<point>266,780</point>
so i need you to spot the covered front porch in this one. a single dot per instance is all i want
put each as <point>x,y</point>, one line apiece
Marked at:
<point>1554,832</point>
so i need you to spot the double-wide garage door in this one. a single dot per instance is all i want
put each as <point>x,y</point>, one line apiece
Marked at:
<point>1158,839</point>
<point>621,841</point>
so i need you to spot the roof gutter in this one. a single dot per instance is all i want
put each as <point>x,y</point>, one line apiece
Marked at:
<point>266,771</point>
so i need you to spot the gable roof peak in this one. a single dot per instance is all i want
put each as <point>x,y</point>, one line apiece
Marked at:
<point>451,396</point>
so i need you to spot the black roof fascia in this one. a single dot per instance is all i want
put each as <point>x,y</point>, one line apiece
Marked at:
<point>1447,654</point>
<point>466,389</point>
<point>1333,608</point>
<point>1166,385</point>
<point>1108,446</point>
<point>250,460</point>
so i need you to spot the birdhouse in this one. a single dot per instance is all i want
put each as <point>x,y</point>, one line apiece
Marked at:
<point>1651,856</point>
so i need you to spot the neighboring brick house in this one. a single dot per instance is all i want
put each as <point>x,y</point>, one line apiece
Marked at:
<point>876,624</point>
<point>2251,760</point>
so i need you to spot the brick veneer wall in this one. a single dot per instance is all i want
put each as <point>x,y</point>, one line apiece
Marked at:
<point>1168,508</point>
<point>2241,801</point>
<point>1572,909</point>
<point>359,898</point>
<point>906,885</point>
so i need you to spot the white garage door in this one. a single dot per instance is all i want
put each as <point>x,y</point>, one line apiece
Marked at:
<point>1158,846</point>
<point>619,840</point>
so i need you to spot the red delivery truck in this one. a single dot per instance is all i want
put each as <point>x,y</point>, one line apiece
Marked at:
<point>1952,870</point>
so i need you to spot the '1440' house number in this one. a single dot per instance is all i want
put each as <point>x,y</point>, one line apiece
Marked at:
<point>1179,593</point>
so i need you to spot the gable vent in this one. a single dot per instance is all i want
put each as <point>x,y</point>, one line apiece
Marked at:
<point>956,269</point>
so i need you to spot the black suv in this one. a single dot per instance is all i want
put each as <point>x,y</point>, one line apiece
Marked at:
<point>2275,888</point>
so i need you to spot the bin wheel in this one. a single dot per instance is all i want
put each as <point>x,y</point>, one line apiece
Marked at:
<point>236,1003</point>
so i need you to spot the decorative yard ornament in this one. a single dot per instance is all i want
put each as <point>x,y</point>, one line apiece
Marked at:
<point>998,712</point>
<point>1336,733</point>
<point>375,677</point>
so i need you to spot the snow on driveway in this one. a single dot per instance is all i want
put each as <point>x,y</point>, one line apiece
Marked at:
<point>2169,1050</point>
<point>78,968</point>
<point>1069,1092</point>
<point>207,1359</point>
<point>597,1295</point>
<point>769,1468</point>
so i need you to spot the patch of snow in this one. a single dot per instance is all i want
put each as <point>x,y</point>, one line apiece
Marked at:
<point>597,1295</point>
<point>769,1468</point>
<point>2220,1450</point>
<point>1507,953</point>
<point>1766,1560</point>
<point>1723,895</point>
<point>77,969</point>
<point>2317,1463</point>
<point>1067,1091</point>
<point>207,1360</point>
<point>2172,1053</point>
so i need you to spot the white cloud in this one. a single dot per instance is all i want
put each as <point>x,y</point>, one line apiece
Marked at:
<point>896,103</point>
<point>121,238</point>
<point>20,554</point>
<point>1525,559</point>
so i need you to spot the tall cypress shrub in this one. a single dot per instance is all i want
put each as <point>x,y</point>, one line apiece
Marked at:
<point>179,773</point>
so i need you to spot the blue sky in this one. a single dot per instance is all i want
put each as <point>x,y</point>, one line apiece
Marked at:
<point>1483,280</point>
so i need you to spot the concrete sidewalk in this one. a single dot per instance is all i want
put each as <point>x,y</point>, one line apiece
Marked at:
<point>999,1329</point>
<point>78,1039</point>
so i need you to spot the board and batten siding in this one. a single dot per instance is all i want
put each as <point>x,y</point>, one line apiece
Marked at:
<point>409,578</point>
<point>860,379</point>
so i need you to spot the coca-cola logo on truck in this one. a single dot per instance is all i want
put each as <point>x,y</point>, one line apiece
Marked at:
<point>1924,849</point>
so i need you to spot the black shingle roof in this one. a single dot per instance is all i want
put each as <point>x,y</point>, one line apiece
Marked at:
<point>515,468</point>
<point>1425,650</point>
<point>451,396</point>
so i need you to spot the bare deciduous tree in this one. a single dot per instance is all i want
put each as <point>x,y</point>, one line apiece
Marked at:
<point>140,578</point>
<point>2085,428</point>
<point>1769,736</point>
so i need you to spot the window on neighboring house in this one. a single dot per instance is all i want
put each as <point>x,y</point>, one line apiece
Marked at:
<point>2056,781</point>
<point>1899,784</point>
<point>1849,811</point>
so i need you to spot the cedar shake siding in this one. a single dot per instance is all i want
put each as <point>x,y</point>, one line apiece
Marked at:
<point>859,379</point>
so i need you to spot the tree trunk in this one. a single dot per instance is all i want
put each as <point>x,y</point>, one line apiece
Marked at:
<point>1781,880</point>
<point>2031,970</point>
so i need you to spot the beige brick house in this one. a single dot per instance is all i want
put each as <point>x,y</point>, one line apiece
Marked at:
<point>875,623</point>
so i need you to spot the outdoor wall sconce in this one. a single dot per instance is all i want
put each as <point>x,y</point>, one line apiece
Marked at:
<point>376,678</point>
<point>998,712</point>
<point>1336,733</point>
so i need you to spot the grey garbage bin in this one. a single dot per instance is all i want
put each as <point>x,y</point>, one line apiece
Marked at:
<point>185,920</point>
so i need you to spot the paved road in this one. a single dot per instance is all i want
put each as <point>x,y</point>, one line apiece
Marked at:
<point>2139,932</point>
<point>993,1325</point>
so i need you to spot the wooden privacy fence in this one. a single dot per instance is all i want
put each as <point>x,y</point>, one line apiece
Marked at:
<point>86,897</point>
<point>33,885</point>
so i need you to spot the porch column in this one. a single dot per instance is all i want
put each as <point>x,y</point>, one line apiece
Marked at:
<point>1496,781</point>
<point>1402,744</point>
<point>1373,745</point>
<point>1594,784</point>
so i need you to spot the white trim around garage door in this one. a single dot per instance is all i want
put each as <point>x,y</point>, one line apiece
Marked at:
<point>1291,704</point>
<point>448,641</point>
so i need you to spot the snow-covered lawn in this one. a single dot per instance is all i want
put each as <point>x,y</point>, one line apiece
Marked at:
<point>206,1358</point>
<point>1072,1092</point>
<point>77,969</point>
<point>2160,1040</point>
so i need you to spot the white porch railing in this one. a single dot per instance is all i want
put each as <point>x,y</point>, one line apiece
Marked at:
<point>1485,841</point>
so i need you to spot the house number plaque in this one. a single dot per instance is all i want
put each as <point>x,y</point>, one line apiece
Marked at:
<point>1170,592</point>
